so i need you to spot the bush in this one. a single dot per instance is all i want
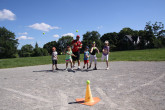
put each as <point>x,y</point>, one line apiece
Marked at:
<point>40,52</point>
<point>157,43</point>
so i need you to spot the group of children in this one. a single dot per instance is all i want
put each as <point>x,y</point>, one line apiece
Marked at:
<point>88,55</point>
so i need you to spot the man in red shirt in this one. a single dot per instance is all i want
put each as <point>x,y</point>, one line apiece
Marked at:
<point>76,46</point>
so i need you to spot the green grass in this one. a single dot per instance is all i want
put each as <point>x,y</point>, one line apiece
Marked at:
<point>133,55</point>
<point>139,55</point>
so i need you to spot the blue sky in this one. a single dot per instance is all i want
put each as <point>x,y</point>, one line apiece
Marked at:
<point>28,19</point>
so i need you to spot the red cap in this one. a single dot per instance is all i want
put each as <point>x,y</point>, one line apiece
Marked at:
<point>77,36</point>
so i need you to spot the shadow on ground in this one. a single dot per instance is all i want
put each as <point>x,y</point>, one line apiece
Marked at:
<point>69,70</point>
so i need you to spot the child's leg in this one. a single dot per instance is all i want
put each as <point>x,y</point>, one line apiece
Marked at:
<point>107,60</point>
<point>95,58</point>
<point>87,65</point>
<point>71,64</point>
<point>107,63</point>
<point>53,67</point>
<point>84,64</point>
<point>66,64</point>
<point>56,66</point>
<point>91,59</point>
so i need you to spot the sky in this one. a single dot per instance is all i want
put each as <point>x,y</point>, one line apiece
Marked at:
<point>29,19</point>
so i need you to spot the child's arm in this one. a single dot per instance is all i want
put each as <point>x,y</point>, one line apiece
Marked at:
<point>98,50</point>
<point>103,50</point>
<point>91,50</point>
<point>86,55</point>
<point>68,53</point>
<point>73,55</point>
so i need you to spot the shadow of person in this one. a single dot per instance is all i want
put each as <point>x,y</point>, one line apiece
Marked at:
<point>71,71</point>
<point>49,70</point>
<point>44,71</point>
<point>76,102</point>
<point>87,70</point>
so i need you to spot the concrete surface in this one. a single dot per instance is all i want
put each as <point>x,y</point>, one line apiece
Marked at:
<point>125,86</point>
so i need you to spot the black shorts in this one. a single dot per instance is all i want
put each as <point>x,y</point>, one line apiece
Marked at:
<point>77,54</point>
<point>54,62</point>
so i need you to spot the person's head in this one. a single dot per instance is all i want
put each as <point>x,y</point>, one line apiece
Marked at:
<point>77,37</point>
<point>86,49</point>
<point>53,49</point>
<point>68,48</point>
<point>106,43</point>
<point>93,44</point>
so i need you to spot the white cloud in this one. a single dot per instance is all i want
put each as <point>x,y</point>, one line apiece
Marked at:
<point>99,27</point>
<point>68,34</point>
<point>24,33</point>
<point>56,35</point>
<point>24,38</point>
<point>7,15</point>
<point>43,27</point>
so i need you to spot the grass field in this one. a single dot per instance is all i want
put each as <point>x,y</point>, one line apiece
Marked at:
<point>133,55</point>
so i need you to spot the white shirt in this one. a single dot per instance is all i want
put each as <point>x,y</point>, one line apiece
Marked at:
<point>54,55</point>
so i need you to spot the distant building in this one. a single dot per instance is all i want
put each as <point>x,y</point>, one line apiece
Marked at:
<point>134,39</point>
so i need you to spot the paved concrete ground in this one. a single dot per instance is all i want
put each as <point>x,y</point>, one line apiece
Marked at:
<point>125,86</point>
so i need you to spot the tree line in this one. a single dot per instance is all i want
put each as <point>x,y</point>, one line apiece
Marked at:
<point>152,36</point>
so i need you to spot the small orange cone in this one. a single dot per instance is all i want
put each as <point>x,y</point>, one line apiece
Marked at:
<point>88,100</point>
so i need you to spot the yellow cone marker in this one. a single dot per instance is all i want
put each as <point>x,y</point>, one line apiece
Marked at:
<point>88,100</point>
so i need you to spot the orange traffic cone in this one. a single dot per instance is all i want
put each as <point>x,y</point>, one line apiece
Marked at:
<point>88,100</point>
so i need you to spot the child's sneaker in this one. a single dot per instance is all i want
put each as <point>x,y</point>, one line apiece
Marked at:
<point>78,68</point>
<point>66,69</point>
<point>57,69</point>
<point>95,68</point>
<point>107,68</point>
<point>74,66</point>
<point>83,67</point>
<point>89,67</point>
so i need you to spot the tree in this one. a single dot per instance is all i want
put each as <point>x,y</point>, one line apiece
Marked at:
<point>36,45</point>
<point>64,42</point>
<point>161,37</point>
<point>8,43</point>
<point>153,34</point>
<point>112,38</point>
<point>124,43</point>
<point>45,52</point>
<point>156,28</point>
<point>26,50</point>
<point>48,46</point>
<point>143,42</point>
<point>37,51</point>
<point>89,37</point>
